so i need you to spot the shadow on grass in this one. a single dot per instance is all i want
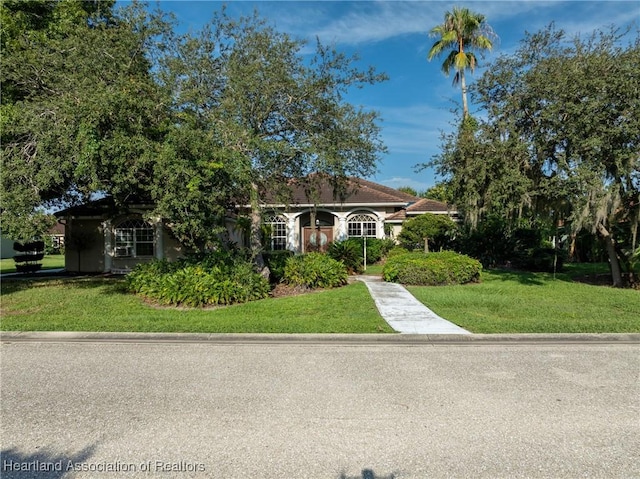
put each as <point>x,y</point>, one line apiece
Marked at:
<point>15,464</point>
<point>109,285</point>
<point>367,474</point>
<point>590,274</point>
<point>522,277</point>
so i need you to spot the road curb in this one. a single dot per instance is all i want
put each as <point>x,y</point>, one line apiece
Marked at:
<point>397,339</point>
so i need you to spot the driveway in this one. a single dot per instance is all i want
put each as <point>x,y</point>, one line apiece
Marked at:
<point>322,409</point>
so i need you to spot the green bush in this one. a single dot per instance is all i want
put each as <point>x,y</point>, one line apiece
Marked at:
<point>376,248</point>
<point>211,282</point>
<point>439,229</point>
<point>315,270</point>
<point>431,269</point>
<point>546,259</point>
<point>349,253</point>
<point>276,261</point>
<point>397,250</point>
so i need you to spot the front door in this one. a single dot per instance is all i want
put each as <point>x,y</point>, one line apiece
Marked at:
<point>317,239</point>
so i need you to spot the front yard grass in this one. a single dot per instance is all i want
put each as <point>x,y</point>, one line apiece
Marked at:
<point>504,302</point>
<point>519,302</point>
<point>100,304</point>
<point>50,261</point>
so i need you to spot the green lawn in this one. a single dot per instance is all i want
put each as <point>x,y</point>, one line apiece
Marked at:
<point>374,269</point>
<point>514,302</point>
<point>100,305</point>
<point>50,261</point>
<point>504,302</point>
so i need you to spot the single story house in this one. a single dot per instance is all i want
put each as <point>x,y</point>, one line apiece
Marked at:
<point>99,239</point>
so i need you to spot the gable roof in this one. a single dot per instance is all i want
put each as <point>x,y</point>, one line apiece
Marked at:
<point>101,207</point>
<point>423,205</point>
<point>355,191</point>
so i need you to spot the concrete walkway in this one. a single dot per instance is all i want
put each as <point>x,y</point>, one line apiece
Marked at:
<point>404,312</point>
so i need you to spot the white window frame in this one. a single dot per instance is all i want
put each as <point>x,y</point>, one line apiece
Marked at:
<point>278,231</point>
<point>130,235</point>
<point>360,223</point>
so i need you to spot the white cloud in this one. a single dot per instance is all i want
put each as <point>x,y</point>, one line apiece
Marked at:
<point>397,182</point>
<point>358,22</point>
<point>413,129</point>
<point>378,21</point>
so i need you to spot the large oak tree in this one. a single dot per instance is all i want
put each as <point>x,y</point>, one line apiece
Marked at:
<point>561,141</point>
<point>113,102</point>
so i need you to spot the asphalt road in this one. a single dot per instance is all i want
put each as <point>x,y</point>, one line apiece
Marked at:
<point>319,410</point>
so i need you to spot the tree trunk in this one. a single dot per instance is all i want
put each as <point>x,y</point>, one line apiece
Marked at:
<point>465,106</point>
<point>255,233</point>
<point>614,261</point>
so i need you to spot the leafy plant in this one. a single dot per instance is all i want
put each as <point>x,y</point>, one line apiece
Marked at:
<point>439,229</point>
<point>376,248</point>
<point>432,269</point>
<point>315,270</point>
<point>216,279</point>
<point>349,253</point>
<point>276,261</point>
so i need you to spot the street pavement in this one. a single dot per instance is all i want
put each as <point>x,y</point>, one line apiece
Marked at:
<point>324,408</point>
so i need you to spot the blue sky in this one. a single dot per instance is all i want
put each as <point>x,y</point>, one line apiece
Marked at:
<point>415,104</point>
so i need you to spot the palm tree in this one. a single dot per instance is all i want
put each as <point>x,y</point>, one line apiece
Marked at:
<point>462,30</point>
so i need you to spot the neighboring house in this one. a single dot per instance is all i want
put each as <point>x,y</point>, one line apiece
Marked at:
<point>6,248</point>
<point>57,236</point>
<point>99,239</point>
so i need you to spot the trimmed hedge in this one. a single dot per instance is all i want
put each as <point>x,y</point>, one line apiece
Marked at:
<point>431,269</point>
<point>209,282</point>
<point>315,270</point>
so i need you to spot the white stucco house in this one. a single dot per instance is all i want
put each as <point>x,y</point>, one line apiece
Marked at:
<point>100,239</point>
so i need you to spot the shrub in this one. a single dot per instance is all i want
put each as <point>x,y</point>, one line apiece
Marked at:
<point>315,270</point>
<point>398,250</point>
<point>210,282</point>
<point>540,259</point>
<point>495,243</point>
<point>349,253</point>
<point>376,248</point>
<point>276,261</point>
<point>431,269</point>
<point>439,229</point>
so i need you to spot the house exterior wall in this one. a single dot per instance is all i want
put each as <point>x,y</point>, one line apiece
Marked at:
<point>98,254</point>
<point>297,220</point>
<point>84,250</point>
<point>396,228</point>
<point>172,250</point>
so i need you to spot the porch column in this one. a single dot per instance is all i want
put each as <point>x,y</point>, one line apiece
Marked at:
<point>108,250</point>
<point>342,226</point>
<point>291,233</point>
<point>159,238</point>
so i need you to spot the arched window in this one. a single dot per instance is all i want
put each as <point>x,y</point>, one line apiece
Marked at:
<point>278,229</point>
<point>362,225</point>
<point>134,238</point>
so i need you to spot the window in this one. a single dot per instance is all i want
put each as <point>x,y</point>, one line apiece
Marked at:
<point>134,238</point>
<point>362,225</point>
<point>278,228</point>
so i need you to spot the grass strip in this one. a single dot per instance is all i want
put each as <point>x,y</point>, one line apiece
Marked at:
<point>98,304</point>
<point>50,261</point>
<point>518,302</point>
